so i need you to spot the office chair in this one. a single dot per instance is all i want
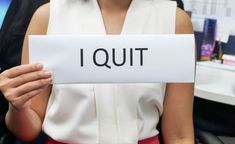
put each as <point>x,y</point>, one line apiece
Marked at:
<point>180,4</point>
<point>214,122</point>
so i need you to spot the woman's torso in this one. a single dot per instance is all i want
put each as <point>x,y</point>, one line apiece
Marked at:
<point>106,113</point>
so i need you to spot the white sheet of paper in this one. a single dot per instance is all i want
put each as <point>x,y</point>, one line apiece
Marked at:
<point>138,58</point>
<point>222,33</point>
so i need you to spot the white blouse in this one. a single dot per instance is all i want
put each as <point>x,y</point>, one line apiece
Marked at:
<point>106,113</point>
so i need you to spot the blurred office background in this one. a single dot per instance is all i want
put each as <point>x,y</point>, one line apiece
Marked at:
<point>214,107</point>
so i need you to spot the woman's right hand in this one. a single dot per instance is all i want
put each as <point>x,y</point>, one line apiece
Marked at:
<point>20,84</point>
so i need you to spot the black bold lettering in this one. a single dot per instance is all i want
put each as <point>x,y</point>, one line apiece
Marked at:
<point>141,55</point>
<point>105,63</point>
<point>114,58</point>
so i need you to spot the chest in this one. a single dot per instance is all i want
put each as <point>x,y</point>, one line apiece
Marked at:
<point>142,17</point>
<point>113,22</point>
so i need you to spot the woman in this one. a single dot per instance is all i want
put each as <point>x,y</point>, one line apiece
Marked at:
<point>104,113</point>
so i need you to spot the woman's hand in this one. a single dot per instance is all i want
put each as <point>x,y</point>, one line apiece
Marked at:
<point>20,84</point>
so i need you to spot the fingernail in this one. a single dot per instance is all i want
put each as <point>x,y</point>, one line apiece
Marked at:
<point>39,65</point>
<point>50,81</point>
<point>48,73</point>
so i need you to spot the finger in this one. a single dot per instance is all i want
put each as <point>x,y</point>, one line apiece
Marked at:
<point>33,76</point>
<point>31,86</point>
<point>22,101</point>
<point>22,69</point>
<point>2,78</point>
<point>3,82</point>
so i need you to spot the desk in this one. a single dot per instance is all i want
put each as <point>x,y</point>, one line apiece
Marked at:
<point>215,84</point>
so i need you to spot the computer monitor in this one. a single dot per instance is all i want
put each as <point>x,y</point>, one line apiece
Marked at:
<point>4,5</point>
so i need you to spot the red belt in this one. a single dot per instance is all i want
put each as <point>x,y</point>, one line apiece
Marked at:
<point>152,140</point>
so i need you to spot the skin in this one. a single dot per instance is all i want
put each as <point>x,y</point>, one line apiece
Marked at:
<point>27,87</point>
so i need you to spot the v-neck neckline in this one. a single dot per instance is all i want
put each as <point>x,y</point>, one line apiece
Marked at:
<point>126,19</point>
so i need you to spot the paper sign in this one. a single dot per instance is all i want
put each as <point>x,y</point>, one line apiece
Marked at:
<point>222,33</point>
<point>115,58</point>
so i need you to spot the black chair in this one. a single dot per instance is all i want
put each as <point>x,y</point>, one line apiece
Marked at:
<point>214,122</point>
<point>180,4</point>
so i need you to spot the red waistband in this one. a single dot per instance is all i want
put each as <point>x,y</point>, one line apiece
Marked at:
<point>151,140</point>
